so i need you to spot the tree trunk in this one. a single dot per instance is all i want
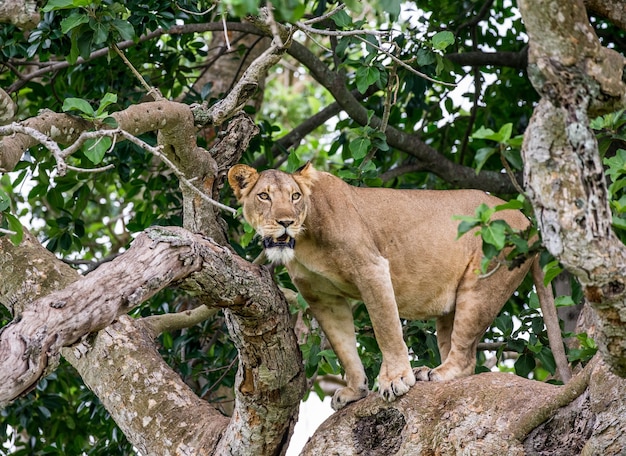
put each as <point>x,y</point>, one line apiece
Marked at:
<point>576,77</point>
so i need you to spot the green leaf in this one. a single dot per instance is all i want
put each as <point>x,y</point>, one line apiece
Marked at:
<point>16,226</point>
<point>504,323</point>
<point>514,157</point>
<point>533,301</point>
<point>502,136</point>
<point>484,213</point>
<point>289,10</point>
<point>107,100</point>
<point>484,133</point>
<point>467,223</point>
<point>72,57</point>
<point>512,204</point>
<point>101,32</point>
<point>551,270</point>
<point>425,57</point>
<point>94,149</point>
<point>293,162</point>
<point>359,147</point>
<point>347,174</point>
<point>564,301</point>
<point>78,104</point>
<point>124,28</point>
<point>73,21</point>
<point>482,155</point>
<point>495,234</point>
<point>241,8</point>
<point>505,132</point>
<point>365,77</point>
<point>524,365</point>
<point>5,200</point>
<point>341,19</point>
<point>442,40</point>
<point>547,359</point>
<point>55,198</point>
<point>391,7</point>
<point>379,140</point>
<point>53,5</point>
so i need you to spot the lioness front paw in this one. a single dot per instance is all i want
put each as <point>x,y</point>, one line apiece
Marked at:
<point>396,387</point>
<point>344,396</point>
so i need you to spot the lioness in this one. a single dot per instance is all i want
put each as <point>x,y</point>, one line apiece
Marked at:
<point>397,251</point>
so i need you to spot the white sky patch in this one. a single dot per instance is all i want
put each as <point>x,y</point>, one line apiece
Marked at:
<point>313,412</point>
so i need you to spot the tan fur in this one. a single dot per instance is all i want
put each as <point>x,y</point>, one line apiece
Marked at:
<point>396,250</point>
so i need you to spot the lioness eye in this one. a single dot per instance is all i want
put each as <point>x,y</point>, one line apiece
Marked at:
<point>263,196</point>
<point>296,196</point>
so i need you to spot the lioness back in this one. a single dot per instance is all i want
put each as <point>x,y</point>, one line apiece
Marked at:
<point>414,230</point>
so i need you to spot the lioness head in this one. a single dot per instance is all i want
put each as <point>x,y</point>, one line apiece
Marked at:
<point>275,204</point>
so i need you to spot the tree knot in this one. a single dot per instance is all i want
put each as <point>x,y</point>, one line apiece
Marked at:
<point>379,434</point>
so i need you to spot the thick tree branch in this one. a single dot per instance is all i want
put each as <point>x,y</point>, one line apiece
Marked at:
<point>89,304</point>
<point>517,60</point>
<point>157,324</point>
<point>465,417</point>
<point>613,10</point>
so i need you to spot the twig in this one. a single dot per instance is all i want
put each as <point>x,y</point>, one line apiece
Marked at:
<point>157,151</point>
<point>323,17</point>
<point>567,394</point>
<point>490,273</point>
<point>193,13</point>
<point>219,380</point>
<point>42,138</point>
<point>402,64</point>
<point>305,28</point>
<point>9,232</point>
<point>273,25</point>
<point>225,32</point>
<point>321,46</point>
<point>150,90</point>
<point>511,175</point>
<point>91,170</point>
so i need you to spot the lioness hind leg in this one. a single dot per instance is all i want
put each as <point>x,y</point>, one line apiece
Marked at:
<point>478,303</point>
<point>444,325</point>
<point>334,315</point>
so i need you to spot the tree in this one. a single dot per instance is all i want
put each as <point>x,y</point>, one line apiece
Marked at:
<point>122,184</point>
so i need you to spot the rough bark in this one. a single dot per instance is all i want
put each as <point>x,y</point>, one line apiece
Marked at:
<point>487,414</point>
<point>150,403</point>
<point>613,10</point>
<point>22,13</point>
<point>576,78</point>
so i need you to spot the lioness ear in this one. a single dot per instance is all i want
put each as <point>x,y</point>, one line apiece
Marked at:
<point>241,177</point>
<point>305,176</point>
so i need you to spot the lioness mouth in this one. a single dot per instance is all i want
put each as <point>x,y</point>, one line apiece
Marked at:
<point>283,241</point>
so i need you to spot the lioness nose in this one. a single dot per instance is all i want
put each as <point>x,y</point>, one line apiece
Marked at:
<point>285,223</point>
